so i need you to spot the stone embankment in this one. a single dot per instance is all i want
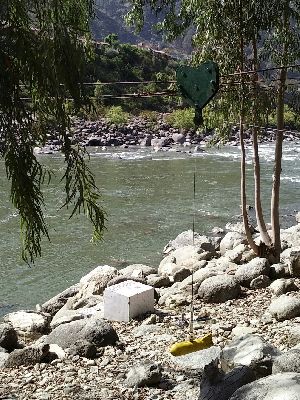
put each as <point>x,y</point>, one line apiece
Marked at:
<point>140,132</point>
<point>65,349</point>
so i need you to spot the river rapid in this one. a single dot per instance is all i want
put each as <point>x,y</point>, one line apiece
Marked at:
<point>148,197</point>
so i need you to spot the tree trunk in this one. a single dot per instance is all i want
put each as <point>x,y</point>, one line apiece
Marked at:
<point>250,240</point>
<point>278,149</point>
<point>277,167</point>
<point>256,162</point>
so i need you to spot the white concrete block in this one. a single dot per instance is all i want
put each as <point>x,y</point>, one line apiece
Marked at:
<point>127,300</point>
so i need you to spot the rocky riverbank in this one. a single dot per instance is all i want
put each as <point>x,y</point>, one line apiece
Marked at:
<point>65,349</point>
<point>141,132</point>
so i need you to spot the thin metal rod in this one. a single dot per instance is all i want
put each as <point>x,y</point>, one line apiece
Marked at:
<point>194,218</point>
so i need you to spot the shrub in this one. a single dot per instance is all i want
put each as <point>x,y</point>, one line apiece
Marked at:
<point>150,116</point>
<point>291,118</point>
<point>116,115</point>
<point>182,118</point>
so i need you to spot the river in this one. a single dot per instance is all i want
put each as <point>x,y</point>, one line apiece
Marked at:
<point>148,197</point>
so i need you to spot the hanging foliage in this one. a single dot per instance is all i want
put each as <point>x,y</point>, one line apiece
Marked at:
<point>43,48</point>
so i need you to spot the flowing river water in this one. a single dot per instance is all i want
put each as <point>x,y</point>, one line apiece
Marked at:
<point>148,197</point>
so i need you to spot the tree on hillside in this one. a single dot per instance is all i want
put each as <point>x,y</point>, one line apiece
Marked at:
<point>43,47</point>
<point>226,32</point>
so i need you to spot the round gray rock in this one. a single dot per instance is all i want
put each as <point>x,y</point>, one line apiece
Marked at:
<point>181,274</point>
<point>133,270</point>
<point>146,374</point>
<point>178,138</point>
<point>92,330</point>
<point>250,350</point>
<point>83,348</point>
<point>287,362</point>
<point>158,281</point>
<point>8,337</point>
<point>219,288</point>
<point>197,360</point>
<point>253,269</point>
<point>285,307</point>
<point>282,286</point>
<point>285,386</point>
<point>57,302</point>
<point>231,240</point>
<point>30,355</point>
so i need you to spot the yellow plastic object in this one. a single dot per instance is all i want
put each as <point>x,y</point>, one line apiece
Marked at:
<point>182,348</point>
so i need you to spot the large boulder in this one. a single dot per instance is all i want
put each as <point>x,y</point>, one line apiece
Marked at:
<point>287,362</point>
<point>285,307</point>
<point>221,264</point>
<point>253,269</point>
<point>137,271</point>
<point>99,274</point>
<point>158,281</point>
<point>218,289</point>
<point>236,254</point>
<point>294,265</point>
<point>187,238</point>
<point>57,302</point>
<point>291,257</point>
<point>28,322</point>
<point>92,330</point>
<point>96,281</point>
<point>65,316</point>
<point>282,286</point>
<point>181,274</point>
<point>28,356</point>
<point>197,360</point>
<point>250,350</point>
<point>198,277</point>
<point>178,138</point>
<point>285,386</point>
<point>291,237</point>
<point>8,337</point>
<point>186,256</point>
<point>231,240</point>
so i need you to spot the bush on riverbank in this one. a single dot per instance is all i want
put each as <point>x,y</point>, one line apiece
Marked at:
<point>116,115</point>
<point>182,119</point>
<point>291,118</point>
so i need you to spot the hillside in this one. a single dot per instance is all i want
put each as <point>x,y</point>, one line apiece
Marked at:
<point>109,18</point>
<point>118,62</point>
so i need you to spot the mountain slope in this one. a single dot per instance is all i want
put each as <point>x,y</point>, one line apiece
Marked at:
<point>109,18</point>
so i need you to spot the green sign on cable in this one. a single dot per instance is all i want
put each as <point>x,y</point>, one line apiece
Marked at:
<point>198,85</point>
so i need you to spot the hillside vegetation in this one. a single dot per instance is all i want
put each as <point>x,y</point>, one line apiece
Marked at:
<point>109,18</point>
<point>116,62</point>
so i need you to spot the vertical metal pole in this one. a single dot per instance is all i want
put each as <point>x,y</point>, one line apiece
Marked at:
<point>194,212</point>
